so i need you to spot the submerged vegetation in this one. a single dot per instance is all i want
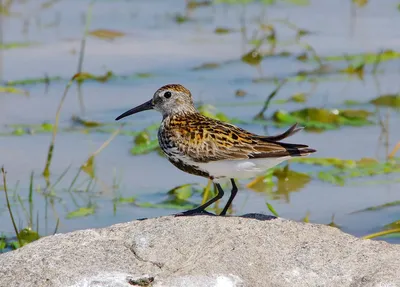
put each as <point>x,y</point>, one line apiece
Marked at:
<point>263,98</point>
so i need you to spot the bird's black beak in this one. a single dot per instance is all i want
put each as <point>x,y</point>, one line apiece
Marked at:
<point>143,107</point>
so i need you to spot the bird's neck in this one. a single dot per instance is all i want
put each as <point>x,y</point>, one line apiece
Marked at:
<point>180,113</point>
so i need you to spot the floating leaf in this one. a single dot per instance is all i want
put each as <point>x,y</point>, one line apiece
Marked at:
<point>47,127</point>
<point>145,148</point>
<point>321,119</point>
<point>360,3</point>
<point>106,34</point>
<point>81,212</point>
<point>196,4</point>
<point>85,123</point>
<point>389,100</point>
<point>181,192</point>
<point>357,70</point>
<point>240,93</point>
<point>253,57</point>
<point>144,75</point>
<point>332,178</point>
<point>44,80</point>
<point>234,1</point>
<point>13,90</point>
<point>83,76</point>
<point>298,2</point>
<point>19,132</point>
<point>207,66</point>
<point>178,206</point>
<point>13,45</point>
<point>221,30</point>
<point>366,58</point>
<point>334,162</point>
<point>179,18</point>
<point>352,103</point>
<point>268,2</point>
<point>125,200</point>
<point>298,98</point>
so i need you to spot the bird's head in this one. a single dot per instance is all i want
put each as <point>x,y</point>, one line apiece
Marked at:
<point>168,100</point>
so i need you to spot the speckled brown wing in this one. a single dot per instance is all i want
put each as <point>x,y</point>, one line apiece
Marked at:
<point>204,139</point>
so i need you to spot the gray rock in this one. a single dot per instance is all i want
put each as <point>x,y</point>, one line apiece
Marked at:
<point>203,251</point>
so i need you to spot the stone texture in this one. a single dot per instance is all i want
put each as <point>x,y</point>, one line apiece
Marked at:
<point>203,251</point>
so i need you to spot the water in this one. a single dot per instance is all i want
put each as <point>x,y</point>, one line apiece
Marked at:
<point>156,44</point>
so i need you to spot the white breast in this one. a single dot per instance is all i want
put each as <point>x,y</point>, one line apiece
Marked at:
<point>245,168</point>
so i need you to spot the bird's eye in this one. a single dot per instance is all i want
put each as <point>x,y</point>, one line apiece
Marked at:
<point>167,95</point>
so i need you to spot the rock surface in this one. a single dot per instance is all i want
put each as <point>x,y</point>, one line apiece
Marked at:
<point>203,251</point>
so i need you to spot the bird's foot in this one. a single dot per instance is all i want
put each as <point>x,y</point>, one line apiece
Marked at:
<point>195,211</point>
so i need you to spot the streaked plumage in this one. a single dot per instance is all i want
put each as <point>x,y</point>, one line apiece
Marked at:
<point>210,148</point>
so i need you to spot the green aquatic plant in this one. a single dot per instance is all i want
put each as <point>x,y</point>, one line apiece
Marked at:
<point>320,119</point>
<point>253,58</point>
<point>192,4</point>
<point>14,45</point>
<point>81,212</point>
<point>106,34</point>
<point>388,100</point>
<point>366,58</point>
<point>13,90</point>
<point>9,206</point>
<point>222,30</point>
<point>340,171</point>
<point>86,123</point>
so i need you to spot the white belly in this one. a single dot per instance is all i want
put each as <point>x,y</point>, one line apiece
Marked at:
<point>240,169</point>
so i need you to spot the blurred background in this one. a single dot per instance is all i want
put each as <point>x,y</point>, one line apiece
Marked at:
<point>69,67</point>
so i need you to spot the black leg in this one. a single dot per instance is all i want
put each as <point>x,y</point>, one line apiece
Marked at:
<point>201,208</point>
<point>233,194</point>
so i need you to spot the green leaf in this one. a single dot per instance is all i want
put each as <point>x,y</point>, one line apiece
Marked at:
<point>166,205</point>
<point>389,100</point>
<point>145,148</point>
<point>3,244</point>
<point>268,2</point>
<point>85,123</point>
<point>27,235</point>
<point>378,207</point>
<point>298,2</point>
<point>207,66</point>
<point>252,58</point>
<point>222,30</point>
<point>393,225</point>
<point>272,209</point>
<point>331,178</point>
<point>182,192</point>
<point>125,199</point>
<point>106,34</point>
<point>13,90</point>
<point>81,212</point>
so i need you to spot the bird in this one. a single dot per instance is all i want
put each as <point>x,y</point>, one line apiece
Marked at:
<point>211,148</point>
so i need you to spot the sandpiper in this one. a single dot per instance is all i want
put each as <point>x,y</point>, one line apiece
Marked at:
<point>213,149</point>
